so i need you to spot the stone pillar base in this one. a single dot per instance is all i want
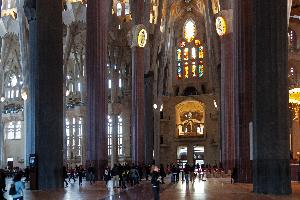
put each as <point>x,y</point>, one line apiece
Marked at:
<point>264,179</point>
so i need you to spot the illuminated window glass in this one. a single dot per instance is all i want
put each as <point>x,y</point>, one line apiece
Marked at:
<point>109,135</point>
<point>178,54</point>
<point>14,130</point>
<point>179,71</point>
<point>194,70</point>
<point>189,30</point>
<point>186,71</point>
<point>201,53</point>
<point>194,53</point>
<point>201,69</point>
<point>120,135</point>
<point>119,9</point>
<point>127,8</point>
<point>189,53</point>
<point>186,54</point>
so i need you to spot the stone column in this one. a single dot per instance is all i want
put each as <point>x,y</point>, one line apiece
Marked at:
<point>190,154</point>
<point>227,103</point>
<point>138,142</point>
<point>98,15</point>
<point>242,87</point>
<point>46,77</point>
<point>271,166</point>
<point>149,119</point>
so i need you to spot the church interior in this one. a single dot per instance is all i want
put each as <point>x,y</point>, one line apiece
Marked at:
<point>207,82</point>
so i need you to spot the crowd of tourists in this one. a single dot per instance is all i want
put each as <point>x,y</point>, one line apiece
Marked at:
<point>119,176</point>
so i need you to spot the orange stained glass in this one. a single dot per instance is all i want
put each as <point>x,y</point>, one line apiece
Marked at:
<point>194,53</point>
<point>201,53</point>
<point>179,54</point>
<point>182,44</point>
<point>186,54</point>
<point>186,72</point>
<point>194,71</point>
<point>197,42</point>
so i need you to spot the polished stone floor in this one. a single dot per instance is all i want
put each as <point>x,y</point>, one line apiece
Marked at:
<point>212,189</point>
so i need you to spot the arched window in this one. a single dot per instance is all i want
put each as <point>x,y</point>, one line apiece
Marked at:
<point>120,135</point>
<point>190,53</point>
<point>127,8</point>
<point>119,9</point>
<point>74,136</point>
<point>109,135</point>
<point>14,130</point>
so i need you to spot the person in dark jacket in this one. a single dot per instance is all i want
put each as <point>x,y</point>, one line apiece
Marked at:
<point>155,181</point>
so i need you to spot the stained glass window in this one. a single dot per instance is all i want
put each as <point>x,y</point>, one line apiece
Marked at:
<point>189,30</point>
<point>190,53</point>
<point>194,53</point>
<point>178,54</point>
<point>119,9</point>
<point>186,54</point>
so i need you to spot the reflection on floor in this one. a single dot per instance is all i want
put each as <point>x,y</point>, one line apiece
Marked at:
<point>212,189</point>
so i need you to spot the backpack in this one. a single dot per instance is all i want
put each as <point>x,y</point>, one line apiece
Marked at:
<point>12,190</point>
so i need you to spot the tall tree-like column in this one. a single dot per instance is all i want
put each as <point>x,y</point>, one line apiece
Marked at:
<point>149,123</point>
<point>138,142</point>
<point>46,77</point>
<point>271,166</point>
<point>227,103</point>
<point>242,87</point>
<point>98,13</point>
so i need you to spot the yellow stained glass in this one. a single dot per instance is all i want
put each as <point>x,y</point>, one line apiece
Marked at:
<point>189,30</point>
<point>186,72</point>
<point>179,54</point>
<point>186,54</point>
<point>194,53</point>
<point>197,42</point>
<point>194,71</point>
<point>201,53</point>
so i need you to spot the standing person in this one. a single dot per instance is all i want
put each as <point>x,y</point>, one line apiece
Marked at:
<point>80,175</point>
<point>186,172</point>
<point>155,180</point>
<point>91,171</point>
<point>65,174</point>
<point>72,175</point>
<point>17,192</point>
<point>106,175</point>
<point>162,173</point>
<point>2,184</point>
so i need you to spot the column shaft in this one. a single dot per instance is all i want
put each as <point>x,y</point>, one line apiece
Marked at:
<point>227,103</point>
<point>46,92</point>
<point>242,87</point>
<point>149,119</point>
<point>271,166</point>
<point>96,66</point>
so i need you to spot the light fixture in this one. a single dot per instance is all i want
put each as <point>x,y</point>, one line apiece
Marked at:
<point>2,99</point>
<point>155,106</point>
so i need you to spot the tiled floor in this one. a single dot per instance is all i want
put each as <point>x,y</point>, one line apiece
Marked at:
<point>212,189</point>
